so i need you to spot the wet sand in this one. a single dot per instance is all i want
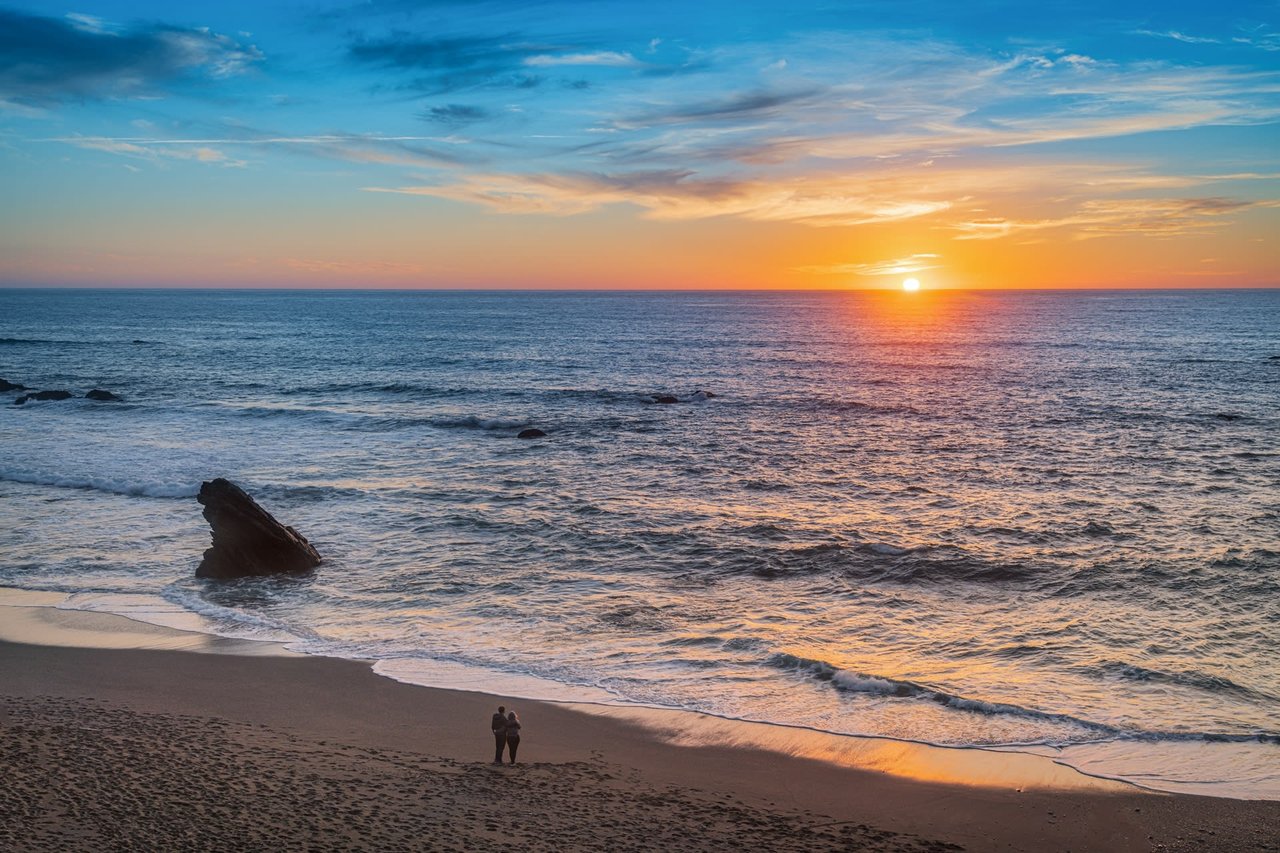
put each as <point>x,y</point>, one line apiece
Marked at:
<point>158,748</point>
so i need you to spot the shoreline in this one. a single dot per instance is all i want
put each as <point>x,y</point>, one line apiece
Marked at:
<point>53,620</point>
<point>791,781</point>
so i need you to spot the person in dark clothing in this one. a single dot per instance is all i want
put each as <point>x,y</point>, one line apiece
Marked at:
<point>513,735</point>
<point>499,726</point>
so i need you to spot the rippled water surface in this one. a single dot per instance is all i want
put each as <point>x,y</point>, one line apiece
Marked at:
<point>1047,519</point>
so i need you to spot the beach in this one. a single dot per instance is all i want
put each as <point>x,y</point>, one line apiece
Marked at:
<point>192,742</point>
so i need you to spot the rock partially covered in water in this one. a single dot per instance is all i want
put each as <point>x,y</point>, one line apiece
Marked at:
<point>531,432</point>
<point>44,395</point>
<point>6,385</point>
<point>247,541</point>
<point>99,394</point>
<point>665,399</point>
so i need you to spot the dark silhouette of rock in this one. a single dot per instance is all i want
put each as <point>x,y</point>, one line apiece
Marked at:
<point>531,432</point>
<point>99,394</point>
<point>703,395</point>
<point>666,399</point>
<point>44,395</point>
<point>6,385</point>
<point>247,541</point>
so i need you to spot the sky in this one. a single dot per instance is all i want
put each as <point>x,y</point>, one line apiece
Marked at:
<point>602,144</point>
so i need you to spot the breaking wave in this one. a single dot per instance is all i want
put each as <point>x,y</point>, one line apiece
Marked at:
<point>857,682</point>
<point>133,488</point>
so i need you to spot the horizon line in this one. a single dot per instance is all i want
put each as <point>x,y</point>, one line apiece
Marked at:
<point>500,289</point>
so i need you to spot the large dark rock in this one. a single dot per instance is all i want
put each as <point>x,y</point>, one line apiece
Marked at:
<point>6,385</point>
<point>99,394</point>
<point>247,541</point>
<point>665,399</point>
<point>44,395</point>
<point>531,432</point>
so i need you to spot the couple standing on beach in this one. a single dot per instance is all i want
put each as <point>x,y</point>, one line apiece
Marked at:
<point>506,732</point>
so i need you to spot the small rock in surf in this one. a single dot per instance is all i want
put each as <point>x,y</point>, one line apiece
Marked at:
<point>44,395</point>
<point>531,432</point>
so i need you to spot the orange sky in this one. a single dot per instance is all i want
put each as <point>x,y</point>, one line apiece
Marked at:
<point>237,145</point>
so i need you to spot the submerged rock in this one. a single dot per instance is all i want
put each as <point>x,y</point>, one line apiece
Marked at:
<point>99,394</point>
<point>6,385</point>
<point>44,395</point>
<point>531,432</point>
<point>665,399</point>
<point>247,540</point>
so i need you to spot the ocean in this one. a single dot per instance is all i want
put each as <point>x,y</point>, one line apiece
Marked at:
<point>1044,521</point>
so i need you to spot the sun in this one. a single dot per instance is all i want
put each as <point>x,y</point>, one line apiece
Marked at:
<point>911,285</point>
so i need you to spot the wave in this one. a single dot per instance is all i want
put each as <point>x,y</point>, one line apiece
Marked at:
<point>875,562</point>
<point>476,422</point>
<point>857,682</point>
<point>228,620</point>
<point>162,489</point>
<point>843,406</point>
<point>393,388</point>
<point>934,564</point>
<point>1188,678</point>
<point>356,421</point>
<point>36,341</point>
<point>145,488</point>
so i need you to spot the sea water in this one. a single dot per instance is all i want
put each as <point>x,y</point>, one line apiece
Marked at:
<point>1047,521</point>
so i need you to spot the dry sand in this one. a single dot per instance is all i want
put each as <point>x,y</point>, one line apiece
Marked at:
<point>162,749</point>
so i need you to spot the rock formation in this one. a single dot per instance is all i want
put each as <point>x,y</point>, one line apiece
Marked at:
<point>44,395</point>
<point>247,541</point>
<point>6,385</point>
<point>99,394</point>
<point>531,432</point>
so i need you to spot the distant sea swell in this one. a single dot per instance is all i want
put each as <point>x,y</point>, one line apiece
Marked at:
<point>1010,519</point>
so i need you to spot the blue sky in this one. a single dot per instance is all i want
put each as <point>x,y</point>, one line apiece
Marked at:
<point>757,144</point>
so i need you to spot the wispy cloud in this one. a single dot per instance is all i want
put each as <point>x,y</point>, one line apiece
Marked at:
<point>455,115</point>
<point>897,266</point>
<point>47,60</point>
<point>197,153</point>
<point>355,148</point>
<point>1177,36</point>
<point>1147,217</point>
<point>606,58</point>
<point>1261,36</point>
<point>443,65</point>
<point>740,106</point>
<point>674,194</point>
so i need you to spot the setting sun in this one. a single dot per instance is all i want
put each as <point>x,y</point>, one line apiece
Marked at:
<point>911,285</point>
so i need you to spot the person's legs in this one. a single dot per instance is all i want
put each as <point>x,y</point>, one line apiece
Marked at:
<point>513,744</point>
<point>499,741</point>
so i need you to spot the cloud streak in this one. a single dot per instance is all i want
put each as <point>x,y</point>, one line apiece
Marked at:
<point>677,195</point>
<point>1145,217</point>
<point>898,266</point>
<point>353,148</point>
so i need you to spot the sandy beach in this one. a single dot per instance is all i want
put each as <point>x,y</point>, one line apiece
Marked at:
<point>191,744</point>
